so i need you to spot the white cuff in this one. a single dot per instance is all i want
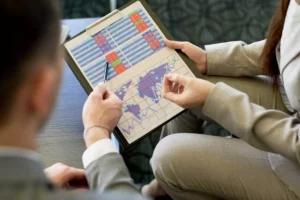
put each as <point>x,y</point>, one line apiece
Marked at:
<point>97,150</point>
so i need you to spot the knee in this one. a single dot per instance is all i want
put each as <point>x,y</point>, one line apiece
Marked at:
<point>178,154</point>
<point>166,156</point>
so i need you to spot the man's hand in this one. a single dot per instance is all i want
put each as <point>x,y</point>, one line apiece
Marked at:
<point>186,92</point>
<point>196,54</point>
<point>102,110</point>
<point>66,177</point>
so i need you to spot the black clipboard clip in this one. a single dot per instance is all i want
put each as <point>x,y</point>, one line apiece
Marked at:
<point>103,19</point>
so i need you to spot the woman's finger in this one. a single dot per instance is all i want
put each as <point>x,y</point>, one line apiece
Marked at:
<point>181,89</point>
<point>166,85</point>
<point>174,44</point>
<point>176,87</point>
<point>182,80</point>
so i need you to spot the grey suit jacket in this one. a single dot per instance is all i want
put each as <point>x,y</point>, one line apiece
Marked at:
<point>269,130</point>
<point>24,179</point>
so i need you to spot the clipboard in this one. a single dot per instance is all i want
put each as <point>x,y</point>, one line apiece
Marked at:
<point>87,87</point>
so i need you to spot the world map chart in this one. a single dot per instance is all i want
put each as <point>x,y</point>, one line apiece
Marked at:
<point>143,101</point>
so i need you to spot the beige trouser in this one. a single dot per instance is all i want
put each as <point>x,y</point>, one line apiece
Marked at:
<point>195,166</point>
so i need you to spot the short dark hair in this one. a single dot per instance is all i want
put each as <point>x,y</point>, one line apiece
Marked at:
<point>29,30</point>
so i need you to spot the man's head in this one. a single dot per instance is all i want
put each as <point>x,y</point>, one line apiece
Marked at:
<point>31,63</point>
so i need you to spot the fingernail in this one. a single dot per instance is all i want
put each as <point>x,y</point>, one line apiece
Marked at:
<point>100,83</point>
<point>169,76</point>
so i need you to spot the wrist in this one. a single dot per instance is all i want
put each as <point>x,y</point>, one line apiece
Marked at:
<point>209,88</point>
<point>205,63</point>
<point>93,134</point>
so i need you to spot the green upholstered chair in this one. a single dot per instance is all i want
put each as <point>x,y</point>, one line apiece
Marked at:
<point>211,21</point>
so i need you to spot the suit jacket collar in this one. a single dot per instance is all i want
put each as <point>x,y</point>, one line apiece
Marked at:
<point>21,169</point>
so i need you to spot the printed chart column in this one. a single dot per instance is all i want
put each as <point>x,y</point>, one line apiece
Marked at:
<point>102,42</point>
<point>152,40</point>
<point>114,60</point>
<point>138,21</point>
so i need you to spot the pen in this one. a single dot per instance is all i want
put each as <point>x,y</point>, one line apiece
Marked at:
<point>106,71</point>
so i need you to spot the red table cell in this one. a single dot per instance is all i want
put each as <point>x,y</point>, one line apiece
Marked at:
<point>135,18</point>
<point>112,57</point>
<point>140,29</point>
<point>142,26</point>
<point>152,46</point>
<point>136,15</point>
<point>120,68</point>
<point>155,44</point>
<point>99,42</point>
<point>100,37</point>
<point>149,36</point>
<point>152,40</point>
<point>145,26</point>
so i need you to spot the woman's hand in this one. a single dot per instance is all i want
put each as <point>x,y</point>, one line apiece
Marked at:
<point>186,92</point>
<point>196,54</point>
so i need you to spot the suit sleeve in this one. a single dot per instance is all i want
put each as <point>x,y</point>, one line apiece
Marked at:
<point>269,130</point>
<point>234,59</point>
<point>110,174</point>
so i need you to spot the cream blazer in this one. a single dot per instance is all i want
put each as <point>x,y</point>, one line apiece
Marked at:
<point>269,130</point>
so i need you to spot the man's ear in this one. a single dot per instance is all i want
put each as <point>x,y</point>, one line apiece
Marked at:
<point>43,89</point>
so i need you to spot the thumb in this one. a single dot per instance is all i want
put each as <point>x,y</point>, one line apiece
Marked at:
<point>101,89</point>
<point>108,94</point>
<point>174,44</point>
<point>176,78</point>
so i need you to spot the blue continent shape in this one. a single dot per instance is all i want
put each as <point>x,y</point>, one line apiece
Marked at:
<point>121,92</point>
<point>147,84</point>
<point>134,109</point>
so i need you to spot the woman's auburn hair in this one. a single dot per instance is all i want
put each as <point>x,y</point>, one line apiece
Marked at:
<point>268,56</point>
